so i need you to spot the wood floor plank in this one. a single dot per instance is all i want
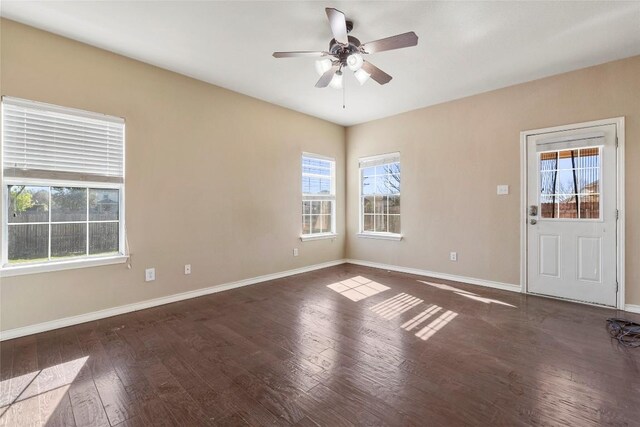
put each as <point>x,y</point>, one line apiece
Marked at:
<point>52,383</point>
<point>183,408</point>
<point>232,420</point>
<point>293,351</point>
<point>86,404</point>
<point>23,390</point>
<point>133,422</point>
<point>116,401</point>
<point>56,409</point>
<point>6,366</point>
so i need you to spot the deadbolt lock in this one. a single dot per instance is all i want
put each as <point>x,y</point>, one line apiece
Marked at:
<point>533,210</point>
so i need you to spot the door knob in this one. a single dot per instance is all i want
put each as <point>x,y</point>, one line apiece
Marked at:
<point>533,221</point>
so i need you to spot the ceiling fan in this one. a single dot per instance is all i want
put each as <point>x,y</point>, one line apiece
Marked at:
<point>347,51</point>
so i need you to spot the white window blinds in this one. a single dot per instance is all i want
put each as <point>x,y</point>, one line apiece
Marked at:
<point>50,142</point>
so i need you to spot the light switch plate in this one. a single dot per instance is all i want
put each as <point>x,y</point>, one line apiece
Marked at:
<point>503,190</point>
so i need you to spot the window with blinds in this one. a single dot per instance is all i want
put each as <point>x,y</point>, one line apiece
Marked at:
<point>380,194</point>
<point>63,176</point>
<point>46,141</point>
<point>318,196</point>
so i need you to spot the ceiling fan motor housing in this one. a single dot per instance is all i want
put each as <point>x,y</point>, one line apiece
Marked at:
<point>341,51</point>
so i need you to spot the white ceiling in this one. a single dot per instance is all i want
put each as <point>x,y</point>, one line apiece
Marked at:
<point>464,48</point>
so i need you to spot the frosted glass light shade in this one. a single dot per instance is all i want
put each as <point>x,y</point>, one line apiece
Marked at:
<point>362,76</point>
<point>354,61</point>
<point>336,81</point>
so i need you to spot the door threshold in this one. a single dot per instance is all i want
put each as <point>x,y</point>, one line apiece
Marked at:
<point>593,304</point>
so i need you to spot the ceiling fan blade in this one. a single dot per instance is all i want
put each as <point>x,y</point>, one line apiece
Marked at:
<point>338,24</point>
<point>325,79</point>
<point>394,42</point>
<point>308,54</point>
<point>376,73</point>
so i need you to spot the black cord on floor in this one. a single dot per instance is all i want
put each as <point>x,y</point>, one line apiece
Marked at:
<point>625,331</point>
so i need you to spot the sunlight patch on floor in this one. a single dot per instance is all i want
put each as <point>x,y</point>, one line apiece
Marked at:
<point>420,318</point>
<point>439,323</point>
<point>466,294</point>
<point>24,394</point>
<point>357,288</point>
<point>395,306</point>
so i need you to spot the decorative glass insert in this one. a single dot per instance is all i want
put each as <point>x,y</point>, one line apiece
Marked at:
<point>570,184</point>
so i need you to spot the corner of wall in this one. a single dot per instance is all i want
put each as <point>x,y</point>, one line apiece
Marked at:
<point>345,136</point>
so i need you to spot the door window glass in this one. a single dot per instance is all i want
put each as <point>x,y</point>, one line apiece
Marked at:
<point>570,184</point>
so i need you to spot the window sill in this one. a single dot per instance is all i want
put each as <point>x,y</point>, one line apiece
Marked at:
<point>381,236</point>
<point>19,270</point>
<point>308,237</point>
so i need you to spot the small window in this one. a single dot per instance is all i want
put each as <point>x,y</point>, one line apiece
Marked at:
<point>380,195</point>
<point>63,183</point>
<point>570,184</point>
<point>318,196</point>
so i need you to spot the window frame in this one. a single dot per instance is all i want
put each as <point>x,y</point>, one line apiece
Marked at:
<point>376,234</point>
<point>72,262</point>
<point>313,197</point>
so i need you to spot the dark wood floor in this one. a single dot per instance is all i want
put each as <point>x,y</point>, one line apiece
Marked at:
<point>294,351</point>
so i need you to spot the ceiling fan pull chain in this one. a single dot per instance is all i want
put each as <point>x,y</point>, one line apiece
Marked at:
<point>344,89</point>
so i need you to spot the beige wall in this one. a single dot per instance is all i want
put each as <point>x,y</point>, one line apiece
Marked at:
<point>453,155</point>
<point>212,178</point>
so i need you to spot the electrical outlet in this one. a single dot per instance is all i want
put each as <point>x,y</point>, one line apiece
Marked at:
<point>453,256</point>
<point>150,274</point>
<point>187,269</point>
<point>295,251</point>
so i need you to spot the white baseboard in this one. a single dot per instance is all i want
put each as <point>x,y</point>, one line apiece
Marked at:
<point>109,312</point>
<point>632,308</point>
<point>444,276</point>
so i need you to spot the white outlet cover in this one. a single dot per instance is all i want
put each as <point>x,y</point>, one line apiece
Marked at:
<point>150,274</point>
<point>503,190</point>
<point>187,269</point>
<point>453,256</point>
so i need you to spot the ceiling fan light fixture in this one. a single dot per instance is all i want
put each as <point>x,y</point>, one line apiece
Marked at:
<point>354,61</point>
<point>336,81</point>
<point>322,66</point>
<point>346,51</point>
<point>362,76</point>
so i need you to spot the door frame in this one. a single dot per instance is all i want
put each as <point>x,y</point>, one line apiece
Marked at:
<point>620,232</point>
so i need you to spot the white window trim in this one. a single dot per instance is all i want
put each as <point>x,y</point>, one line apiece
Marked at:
<point>319,236</point>
<point>374,234</point>
<point>332,196</point>
<point>380,236</point>
<point>9,270</point>
<point>50,266</point>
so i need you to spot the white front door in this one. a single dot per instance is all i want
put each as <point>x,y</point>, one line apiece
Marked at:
<point>572,217</point>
